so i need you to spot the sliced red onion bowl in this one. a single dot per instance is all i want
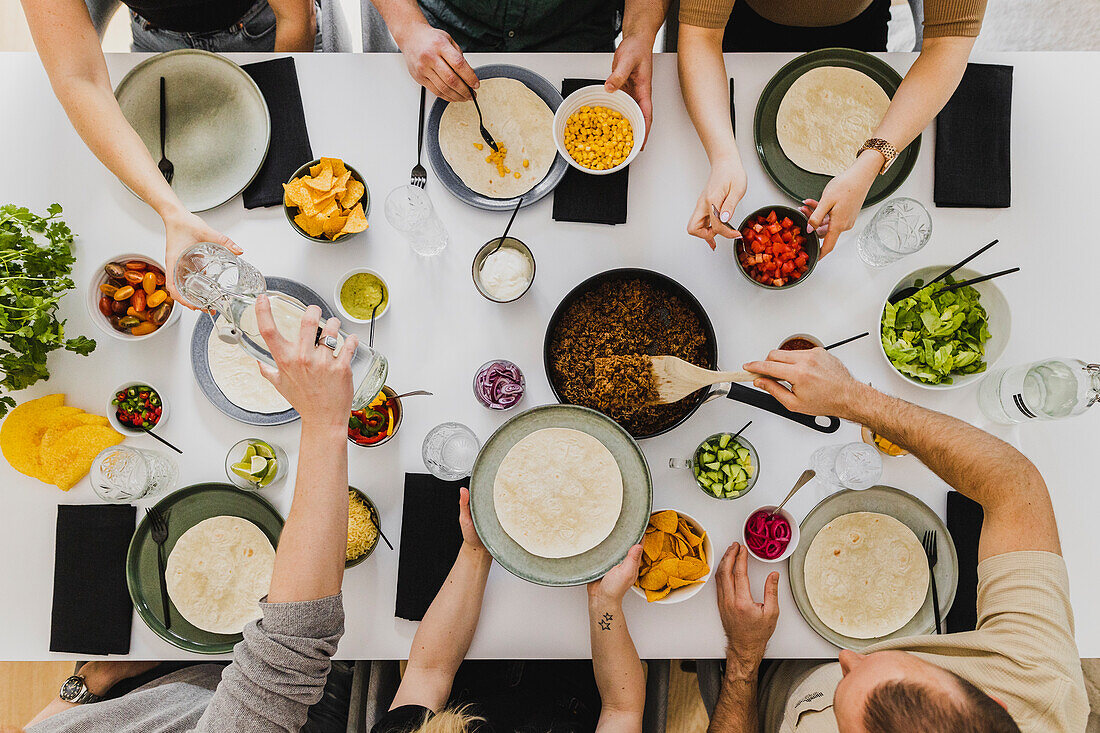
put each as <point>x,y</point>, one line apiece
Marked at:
<point>499,384</point>
<point>767,534</point>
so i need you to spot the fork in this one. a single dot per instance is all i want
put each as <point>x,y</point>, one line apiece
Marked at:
<point>932,553</point>
<point>160,536</point>
<point>166,168</point>
<point>481,121</point>
<point>419,176</point>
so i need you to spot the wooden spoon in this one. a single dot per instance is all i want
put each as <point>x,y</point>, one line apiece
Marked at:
<point>675,378</point>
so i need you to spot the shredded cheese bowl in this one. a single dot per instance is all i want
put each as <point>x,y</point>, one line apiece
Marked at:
<point>599,132</point>
<point>363,522</point>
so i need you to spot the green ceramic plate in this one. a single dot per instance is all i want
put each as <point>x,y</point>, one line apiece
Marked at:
<point>907,509</point>
<point>801,184</point>
<point>637,497</point>
<point>184,509</point>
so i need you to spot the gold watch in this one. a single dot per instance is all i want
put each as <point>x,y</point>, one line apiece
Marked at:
<point>883,146</point>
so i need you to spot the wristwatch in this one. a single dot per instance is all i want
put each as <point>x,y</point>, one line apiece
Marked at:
<point>75,690</point>
<point>883,146</point>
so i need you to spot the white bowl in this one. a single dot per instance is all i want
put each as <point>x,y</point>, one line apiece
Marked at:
<point>996,308</point>
<point>344,315</point>
<point>679,595</point>
<point>795,533</point>
<point>596,96</point>
<point>130,429</point>
<point>809,337</point>
<point>92,299</point>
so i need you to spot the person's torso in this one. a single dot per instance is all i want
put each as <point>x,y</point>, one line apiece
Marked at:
<point>191,16</point>
<point>810,15</point>
<point>527,25</point>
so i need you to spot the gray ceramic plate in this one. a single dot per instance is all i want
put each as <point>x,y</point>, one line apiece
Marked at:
<point>200,365</point>
<point>637,497</point>
<point>218,127</point>
<point>450,180</point>
<point>908,510</point>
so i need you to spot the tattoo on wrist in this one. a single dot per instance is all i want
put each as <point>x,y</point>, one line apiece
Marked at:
<point>605,621</point>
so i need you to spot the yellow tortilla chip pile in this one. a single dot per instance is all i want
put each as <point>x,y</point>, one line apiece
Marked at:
<point>328,200</point>
<point>672,555</point>
<point>48,441</point>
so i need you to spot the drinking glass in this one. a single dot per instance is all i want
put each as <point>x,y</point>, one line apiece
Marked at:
<point>450,450</point>
<point>901,227</point>
<point>121,474</point>
<point>410,211</point>
<point>856,466</point>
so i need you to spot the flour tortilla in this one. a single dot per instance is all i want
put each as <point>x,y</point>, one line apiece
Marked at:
<point>514,116</point>
<point>218,571</point>
<point>866,575</point>
<point>558,492</point>
<point>826,115</point>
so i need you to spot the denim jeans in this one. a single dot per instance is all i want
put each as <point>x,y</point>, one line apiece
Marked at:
<point>255,31</point>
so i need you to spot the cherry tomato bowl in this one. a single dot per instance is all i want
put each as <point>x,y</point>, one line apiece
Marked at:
<point>377,423</point>
<point>95,295</point>
<point>776,252</point>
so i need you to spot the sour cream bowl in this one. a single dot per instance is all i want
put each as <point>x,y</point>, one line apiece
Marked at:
<point>503,275</point>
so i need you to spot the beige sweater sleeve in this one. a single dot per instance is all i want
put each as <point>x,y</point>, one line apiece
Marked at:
<point>706,13</point>
<point>953,17</point>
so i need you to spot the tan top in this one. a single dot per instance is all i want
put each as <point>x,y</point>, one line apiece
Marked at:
<point>1022,653</point>
<point>941,17</point>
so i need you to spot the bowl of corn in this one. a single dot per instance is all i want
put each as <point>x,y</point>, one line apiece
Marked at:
<point>597,131</point>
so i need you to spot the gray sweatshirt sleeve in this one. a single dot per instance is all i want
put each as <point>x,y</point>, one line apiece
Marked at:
<point>278,670</point>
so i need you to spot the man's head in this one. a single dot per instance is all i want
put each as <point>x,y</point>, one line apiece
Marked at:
<point>894,691</point>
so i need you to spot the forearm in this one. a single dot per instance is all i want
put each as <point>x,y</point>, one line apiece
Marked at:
<point>619,673</point>
<point>735,711</point>
<point>644,17</point>
<point>702,71</point>
<point>309,563</point>
<point>924,91</point>
<point>295,24</point>
<point>400,16</point>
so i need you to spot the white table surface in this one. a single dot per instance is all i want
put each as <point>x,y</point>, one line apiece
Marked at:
<point>364,110</point>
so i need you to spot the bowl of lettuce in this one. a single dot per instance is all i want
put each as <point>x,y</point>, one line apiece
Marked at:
<point>944,340</point>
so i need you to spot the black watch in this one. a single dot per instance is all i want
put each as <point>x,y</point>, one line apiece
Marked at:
<point>75,690</point>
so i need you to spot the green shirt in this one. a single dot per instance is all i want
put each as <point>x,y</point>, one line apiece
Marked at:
<point>527,25</point>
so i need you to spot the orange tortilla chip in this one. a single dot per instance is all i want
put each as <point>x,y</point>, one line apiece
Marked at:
<point>665,521</point>
<point>653,580</point>
<point>341,183</point>
<point>670,565</point>
<point>335,165</point>
<point>334,225</point>
<point>690,569</point>
<point>352,193</point>
<point>314,226</point>
<point>675,583</point>
<point>322,180</point>
<point>652,544</point>
<point>357,220</point>
<point>656,595</point>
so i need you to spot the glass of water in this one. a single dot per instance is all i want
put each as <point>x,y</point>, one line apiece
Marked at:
<point>855,466</point>
<point>450,450</point>
<point>121,474</point>
<point>410,211</point>
<point>901,227</point>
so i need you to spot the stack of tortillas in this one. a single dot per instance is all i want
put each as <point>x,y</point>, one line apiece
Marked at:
<point>866,575</point>
<point>826,115</point>
<point>558,492</point>
<point>217,573</point>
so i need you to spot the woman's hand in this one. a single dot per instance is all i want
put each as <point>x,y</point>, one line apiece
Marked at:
<point>435,61</point>
<point>724,190</point>
<point>466,521</point>
<point>617,581</point>
<point>632,71</point>
<point>183,229</point>
<point>842,199</point>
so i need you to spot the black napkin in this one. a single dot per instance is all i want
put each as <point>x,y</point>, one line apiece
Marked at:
<point>973,141</point>
<point>91,606</point>
<point>964,521</point>
<point>289,149</point>
<point>430,540</point>
<point>586,198</point>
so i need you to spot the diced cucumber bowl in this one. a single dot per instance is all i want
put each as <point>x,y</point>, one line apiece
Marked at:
<point>725,467</point>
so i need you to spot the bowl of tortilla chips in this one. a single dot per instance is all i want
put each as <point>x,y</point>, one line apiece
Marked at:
<point>326,201</point>
<point>676,556</point>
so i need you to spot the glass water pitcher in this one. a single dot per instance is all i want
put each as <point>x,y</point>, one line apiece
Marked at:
<point>1050,389</point>
<point>213,278</point>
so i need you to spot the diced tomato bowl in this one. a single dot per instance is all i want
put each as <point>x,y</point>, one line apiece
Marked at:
<point>776,251</point>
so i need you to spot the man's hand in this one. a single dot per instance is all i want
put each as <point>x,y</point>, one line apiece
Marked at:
<point>819,382</point>
<point>724,190</point>
<point>617,581</point>
<point>632,71</point>
<point>101,675</point>
<point>466,521</point>
<point>748,624</point>
<point>843,198</point>
<point>183,229</point>
<point>435,61</point>
<point>314,379</point>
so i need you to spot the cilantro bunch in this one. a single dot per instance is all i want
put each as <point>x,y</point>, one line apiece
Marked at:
<point>931,335</point>
<point>36,262</point>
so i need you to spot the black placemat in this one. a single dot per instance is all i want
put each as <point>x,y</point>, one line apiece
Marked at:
<point>430,540</point>
<point>91,606</point>
<point>289,149</point>
<point>964,522</point>
<point>973,141</point>
<point>586,198</point>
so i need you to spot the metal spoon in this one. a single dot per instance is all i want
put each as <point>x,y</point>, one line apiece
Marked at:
<point>504,236</point>
<point>414,393</point>
<point>736,232</point>
<point>804,479</point>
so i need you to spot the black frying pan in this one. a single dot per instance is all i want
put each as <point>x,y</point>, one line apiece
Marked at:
<point>736,392</point>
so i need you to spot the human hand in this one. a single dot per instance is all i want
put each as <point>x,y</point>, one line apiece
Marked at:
<point>748,624</point>
<point>101,675</point>
<point>617,581</point>
<point>435,61</point>
<point>842,200</point>
<point>315,379</point>
<point>466,521</point>
<point>819,382</point>
<point>632,71</point>
<point>724,190</point>
<point>182,229</point>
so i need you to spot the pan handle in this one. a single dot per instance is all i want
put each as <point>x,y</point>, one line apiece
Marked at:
<point>764,401</point>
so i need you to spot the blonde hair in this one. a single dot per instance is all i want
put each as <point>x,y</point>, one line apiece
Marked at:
<point>456,720</point>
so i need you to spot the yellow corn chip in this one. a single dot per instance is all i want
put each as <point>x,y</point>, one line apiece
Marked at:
<point>352,193</point>
<point>690,569</point>
<point>314,225</point>
<point>341,183</point>
<point>357,220</point>
<point>315,170</point>
<point>656,595</point>
<point>653,580</point>
<point>670,565</point>
<point>675,583</point>
<point>333,225</point>
<point>335,165</point>
<point>652,544</point>
<point>665,521</point>
<point>322,180</point>
<point>683,549</point>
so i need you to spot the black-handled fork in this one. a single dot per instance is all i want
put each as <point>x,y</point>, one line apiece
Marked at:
<point>933,555</point>
<point>159,529</point>
<point>419,176</point>
<point>166,168</point>
<point>481,120</point>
